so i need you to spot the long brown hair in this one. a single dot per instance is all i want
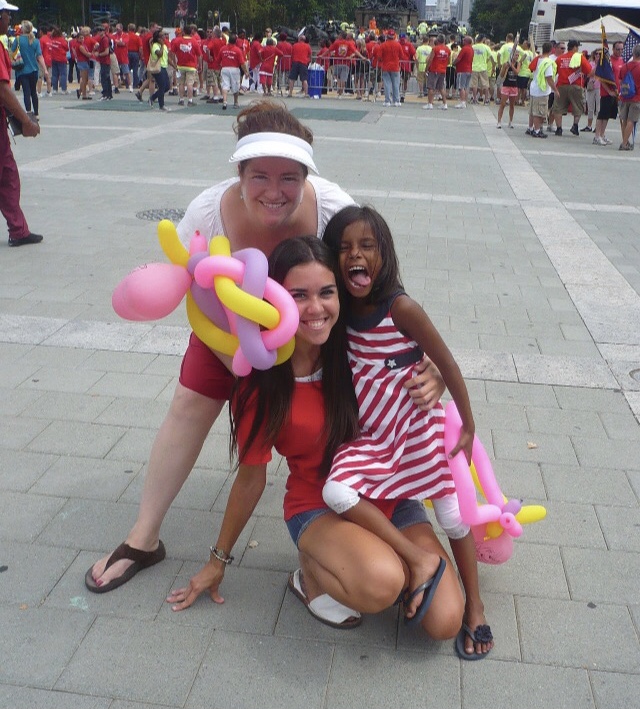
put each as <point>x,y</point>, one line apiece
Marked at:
<point>268,394</point>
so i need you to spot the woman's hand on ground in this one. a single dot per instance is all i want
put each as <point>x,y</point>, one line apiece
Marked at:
<point>208,578</point>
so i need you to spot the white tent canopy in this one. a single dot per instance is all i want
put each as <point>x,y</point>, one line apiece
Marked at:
<point>616,30</point>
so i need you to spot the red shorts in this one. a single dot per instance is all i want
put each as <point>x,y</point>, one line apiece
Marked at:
<point>509,91</point>
<point>204,373</point>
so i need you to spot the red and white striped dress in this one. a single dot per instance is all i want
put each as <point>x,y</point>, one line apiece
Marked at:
<point>400,453</point>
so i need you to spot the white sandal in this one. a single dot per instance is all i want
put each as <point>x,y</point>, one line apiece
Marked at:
<point>325,608</point>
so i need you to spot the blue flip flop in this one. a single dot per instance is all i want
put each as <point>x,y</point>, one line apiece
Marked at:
<point>429,587</point>
<point>482,634</point>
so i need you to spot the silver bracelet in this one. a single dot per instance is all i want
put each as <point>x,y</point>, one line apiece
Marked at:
<point>221,555</point>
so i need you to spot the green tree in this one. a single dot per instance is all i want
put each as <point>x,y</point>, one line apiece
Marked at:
<point>497,17</point>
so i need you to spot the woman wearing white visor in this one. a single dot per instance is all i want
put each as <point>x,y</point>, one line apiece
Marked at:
<point>272,198</point>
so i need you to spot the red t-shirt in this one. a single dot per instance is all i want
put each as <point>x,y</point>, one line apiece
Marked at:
<point>73,48</point>
<point>465,60</point>
<point>5,67</point>
<point>210,51</point>
<point>370,46</point>
<point>342,50</point>
<point>145,41</point>
<point>45,48</point>
<point>89,42</point>
<point>244,46</point>
<point>634,68</point>
<point>100,46</point>
<point>285,62</point>
<point>439,59</point>
<point>301,53</point>
<point>59,48</point>
<point>269,54</point>
<point>121,42</point>
<point>409,52</point>
<point>134,42</point>
<point>323,58</point>
<point>231,56</point>
<point>254,53</point>
<point>84,51</point>
<point>566,74</point>
<point>187,51</point>
<point>302,442</point>
<point>617,63</point>
<point>374,55</point>
<point>390,55</point>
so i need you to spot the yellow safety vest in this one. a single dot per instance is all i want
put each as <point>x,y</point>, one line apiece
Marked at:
<point>542,70</point>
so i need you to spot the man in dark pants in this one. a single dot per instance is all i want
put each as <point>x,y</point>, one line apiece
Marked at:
<point>102,51</point>
<point>19,233</point>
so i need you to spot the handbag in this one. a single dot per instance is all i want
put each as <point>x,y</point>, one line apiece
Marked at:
<point>16,59</point>
<point>153,66</point>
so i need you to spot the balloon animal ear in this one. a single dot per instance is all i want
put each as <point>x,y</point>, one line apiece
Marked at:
<point>151,291</point>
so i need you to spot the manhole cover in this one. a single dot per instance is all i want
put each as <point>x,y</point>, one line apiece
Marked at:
<point>156,215</point>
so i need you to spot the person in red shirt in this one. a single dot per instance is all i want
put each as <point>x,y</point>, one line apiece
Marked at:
<point>84,60</point>
<point>463,63</point>
<point>211,55</point>
<point>283,67</point>
<point>45,48</point>
<point>59,48</point>
<point>391,54</point>
<point>90,42</point>
<point>73,57</point>
<point>102,51</point>
<point>300,59</point>
<point>268,56</point>
<point>121,49</point>
<point>133,52</point>
<point>570,83</point>
<point>243,43</point>
<point>617,62</point>
<point>406,64</point>
<point>437,67</point>
<point>232,62</point>
<point>19,232</point>
<point>343,50</point>
<point>630,105</point>
<point>254,61</point>
<point>187,55</point>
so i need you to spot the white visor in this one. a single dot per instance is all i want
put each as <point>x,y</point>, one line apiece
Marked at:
<point>278,145</point>
<point>5,6</point>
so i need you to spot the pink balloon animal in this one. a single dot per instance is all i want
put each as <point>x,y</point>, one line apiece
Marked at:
<point>490,548</point>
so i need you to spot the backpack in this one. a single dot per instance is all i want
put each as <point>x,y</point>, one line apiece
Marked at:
<point>627,85</point>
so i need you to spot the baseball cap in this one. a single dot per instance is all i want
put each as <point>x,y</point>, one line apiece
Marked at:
<point>391,33</point>
<point>4,5</point>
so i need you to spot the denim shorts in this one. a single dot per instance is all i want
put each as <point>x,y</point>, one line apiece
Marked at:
<point>406,514</point>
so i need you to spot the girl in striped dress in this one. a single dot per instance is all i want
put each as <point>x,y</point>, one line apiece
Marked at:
<point>400,451</point>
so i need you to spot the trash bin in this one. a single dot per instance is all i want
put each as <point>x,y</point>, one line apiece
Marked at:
<point>316,80</point>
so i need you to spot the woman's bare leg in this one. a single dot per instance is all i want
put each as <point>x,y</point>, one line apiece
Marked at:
<point>173,455</point>
<point>443,618</point>
<point>361,571</point>
<point>350,564</point>
<point>421,565</point>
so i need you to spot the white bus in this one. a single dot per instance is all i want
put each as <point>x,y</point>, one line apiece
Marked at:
<point>551,15</point>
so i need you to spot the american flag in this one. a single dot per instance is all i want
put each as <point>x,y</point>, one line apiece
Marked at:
<point>633,38</point>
